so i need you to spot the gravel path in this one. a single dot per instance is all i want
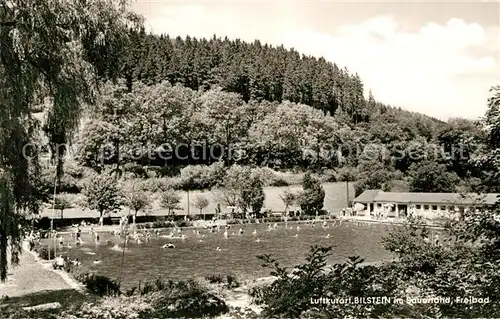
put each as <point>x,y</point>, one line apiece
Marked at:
<point>31,276</point>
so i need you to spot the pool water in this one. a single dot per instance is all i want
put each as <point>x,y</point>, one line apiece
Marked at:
<point>192,257</point>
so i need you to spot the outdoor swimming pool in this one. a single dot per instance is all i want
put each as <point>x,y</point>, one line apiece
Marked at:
<point>193,258</point>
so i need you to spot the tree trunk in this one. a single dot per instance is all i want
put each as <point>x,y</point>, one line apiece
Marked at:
<point>347,191</point>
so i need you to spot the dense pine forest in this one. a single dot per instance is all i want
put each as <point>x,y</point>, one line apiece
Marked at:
<point>255,71</point>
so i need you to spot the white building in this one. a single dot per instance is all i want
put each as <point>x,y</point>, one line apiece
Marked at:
<point>394,205</point>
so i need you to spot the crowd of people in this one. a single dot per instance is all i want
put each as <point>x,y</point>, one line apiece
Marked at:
<point>125,234</point>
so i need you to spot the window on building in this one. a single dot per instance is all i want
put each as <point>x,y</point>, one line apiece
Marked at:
<point>434,207</point>
<point>443,207</point>
<point>379,205</point>
<point>426,207</point>
<point>418,206</point>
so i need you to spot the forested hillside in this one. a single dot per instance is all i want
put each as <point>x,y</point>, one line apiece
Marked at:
<point>255,71</point>
<point>257,105</point>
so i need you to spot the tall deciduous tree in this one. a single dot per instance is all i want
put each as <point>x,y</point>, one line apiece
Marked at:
<point>230,188</point>
<point>62,202</point>
<point>101,193</point>
<point>201,202</point>
<point>252,195</point>
<point>137,200</point>
<point>55,49</point>
<point>170,199</point>
<point>288,199</point>
<point>431,177</point>
<point>312,198</point>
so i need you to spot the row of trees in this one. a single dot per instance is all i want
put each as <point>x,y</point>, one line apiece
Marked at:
<point>241,188</point>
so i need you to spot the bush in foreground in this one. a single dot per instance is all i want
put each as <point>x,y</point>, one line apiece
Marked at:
<point>186,299</point>
<point>45,253</point>
<point>178,299</point>
<point>100,285</point>
<point>110,308</point>
<point>215,279</point>
<point>295,294</point>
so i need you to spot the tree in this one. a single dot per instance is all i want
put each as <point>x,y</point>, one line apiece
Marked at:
<point>460,139</point>
<point>288,199</point>
<point>487,158</point>
<point>101,193</point>
<point>95,143</point>
<point>252,195</point>
<point>223,115</point>
<point>312,198</point>
<point>431,177</point>
<point>137,200</point>
<point>201,202</point>
<point>170,199</point>
<point>62,202</point>
<point>373,175</point>
<point>59,59</point>
<point>230,188</point>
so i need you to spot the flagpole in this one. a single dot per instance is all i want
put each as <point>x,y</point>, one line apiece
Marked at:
<point>52,217</point>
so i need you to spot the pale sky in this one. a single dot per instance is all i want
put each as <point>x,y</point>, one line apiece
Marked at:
<point>435,57</point>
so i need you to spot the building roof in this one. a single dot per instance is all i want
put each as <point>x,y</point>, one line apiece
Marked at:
<point>369,196</point>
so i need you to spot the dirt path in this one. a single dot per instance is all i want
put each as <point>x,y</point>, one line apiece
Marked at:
<point>32,276</point>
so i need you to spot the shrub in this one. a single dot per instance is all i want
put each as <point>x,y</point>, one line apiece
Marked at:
<point>272,219</point>
<point>69,184</point>
<point>232,281</point>
<point>214,279</point>
<point>43,252</point>
<point>161,224</point>
<point>195,177</point>
<point>329,176</point>
<point>130,292</point>
<point>100,285</point>
<point>153,185</point>
<point>273,178</point>
<point>186,299</point>
<point>165,171</point>
<point>135,169</point>
<point>147,287</point>
<point>183,223</point>
<point>111,308</point>
<point>290,295</point>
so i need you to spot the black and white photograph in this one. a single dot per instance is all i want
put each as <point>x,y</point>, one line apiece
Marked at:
<point>249,159</point>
